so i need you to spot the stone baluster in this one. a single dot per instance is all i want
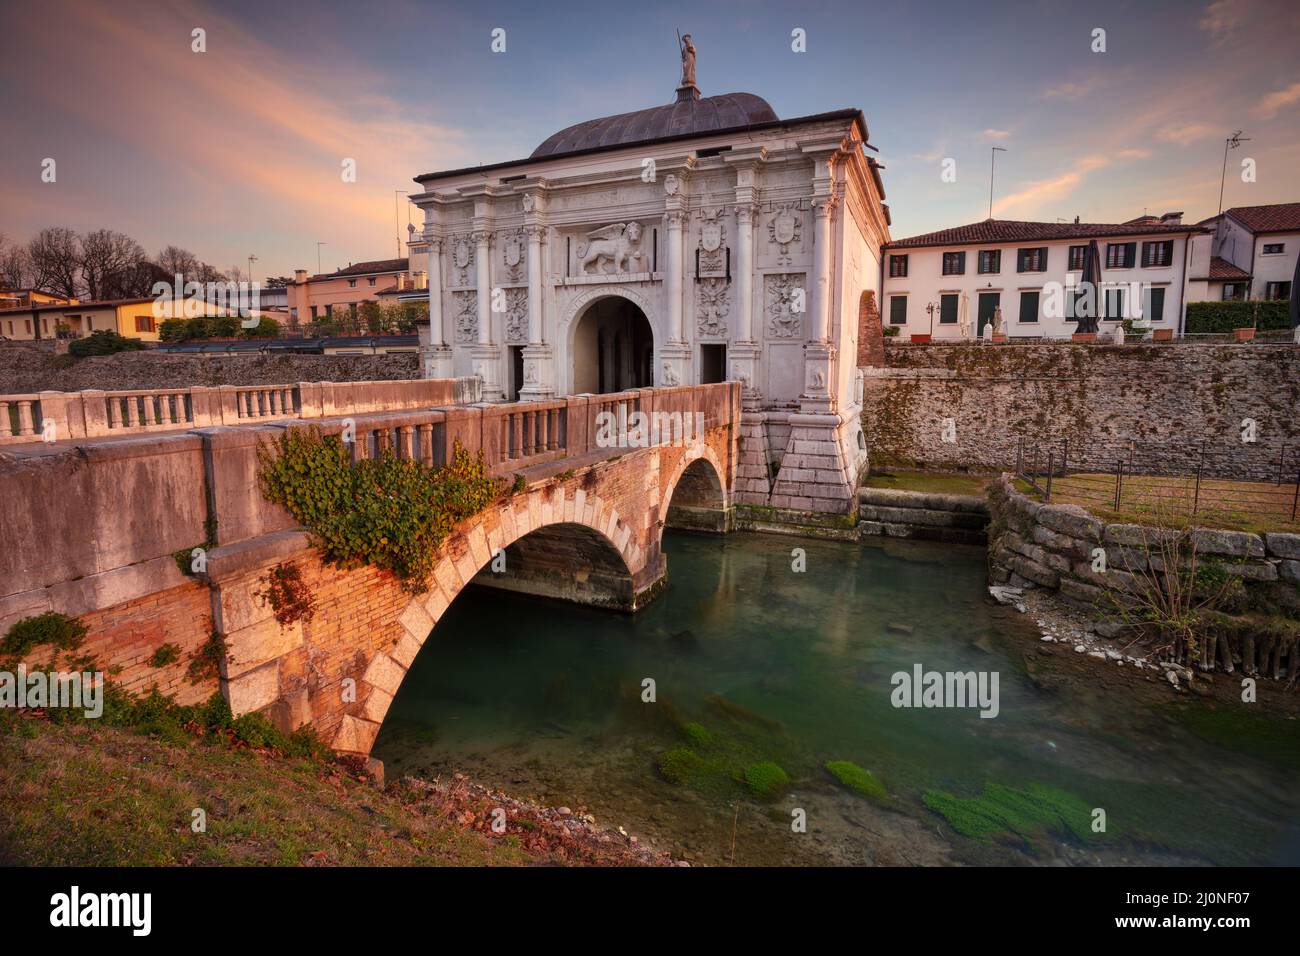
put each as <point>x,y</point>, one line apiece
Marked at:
<point>25,426</point>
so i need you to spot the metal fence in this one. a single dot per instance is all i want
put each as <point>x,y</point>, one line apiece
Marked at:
<point>1166,480</point>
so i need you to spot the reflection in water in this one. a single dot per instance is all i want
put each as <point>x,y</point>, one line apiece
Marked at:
<point>756,665</point>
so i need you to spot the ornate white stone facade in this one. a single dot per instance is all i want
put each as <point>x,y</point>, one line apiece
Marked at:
<point>753,242</point>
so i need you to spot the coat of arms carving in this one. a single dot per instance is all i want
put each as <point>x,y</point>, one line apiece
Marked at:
<point>512,254</point>
<point>712,234</point>
<point>784,229</point>
<point>516,315</point>
<point>786,300</point>
<point>466,316</point>
<point>462,258</point>
<point>712,305</point>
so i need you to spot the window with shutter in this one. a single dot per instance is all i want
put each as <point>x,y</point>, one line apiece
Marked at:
<point>1076,258</point>
<point>1120,255</point>
<point>948,309</point>
<point>954,263</point>
<point>898,310</point>
<point>898,267</point>
<point>1277,290</point>
<point>1029,307</point>
<point>1157,253</point>
<point>1155,310</point>
<point>1114,305</point>
<point>990,260</point>
<point>1033,260</point>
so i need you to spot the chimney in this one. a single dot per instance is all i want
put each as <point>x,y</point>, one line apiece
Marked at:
<point>1076,220</point>
<point>422,280</point>
<point>1172,219</point>
<point>299,275</point>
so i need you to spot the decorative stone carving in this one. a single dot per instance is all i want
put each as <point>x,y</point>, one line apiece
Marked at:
<point>713,233</point>
<point>466,309</point>
<point>672,185</point>
<point>512,254</point>
<point>671,378</point>
<point>688,61</point>
<point>738,374</point>
<point>712,306</point>
<point>516,315</point>
<point>786,299</point>
<point>530,373</point>
<point>616,244</point>
<point>785,228</point>
<point>462,259</point>
<point>529,202</point>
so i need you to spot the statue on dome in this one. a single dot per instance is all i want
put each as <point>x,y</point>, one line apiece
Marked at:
<point>688,60</point>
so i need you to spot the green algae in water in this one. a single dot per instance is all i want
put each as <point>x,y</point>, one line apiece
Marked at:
<point>682,766</point>
<point>1272,738</point>
<point>1026,813</point>
<point>766,780</point>
<point>697,734</point>
<point>856,778</point>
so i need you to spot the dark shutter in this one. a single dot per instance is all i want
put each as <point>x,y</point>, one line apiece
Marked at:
<point>948,309</point>
<point>898,310</point>
<point>1029,307</point>
<point>1155,304</point>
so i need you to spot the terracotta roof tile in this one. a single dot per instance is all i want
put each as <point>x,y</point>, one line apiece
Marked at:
<point>1009,230</point>
<point>1222,269</point>
<point>1279,217</point>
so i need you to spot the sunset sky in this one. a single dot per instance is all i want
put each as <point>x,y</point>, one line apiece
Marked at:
<point>238,150</point>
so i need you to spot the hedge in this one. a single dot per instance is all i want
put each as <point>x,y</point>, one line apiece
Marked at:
<point>1226,316</point>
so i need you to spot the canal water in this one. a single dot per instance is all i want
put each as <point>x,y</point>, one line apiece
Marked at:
<point>756,664</point>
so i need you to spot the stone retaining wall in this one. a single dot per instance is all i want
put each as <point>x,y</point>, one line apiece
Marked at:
<point>1032,544</point>
<point>1100,398</point>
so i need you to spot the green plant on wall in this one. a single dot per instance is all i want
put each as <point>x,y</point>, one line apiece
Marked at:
<point>287,593</point>
<point>389,512</point>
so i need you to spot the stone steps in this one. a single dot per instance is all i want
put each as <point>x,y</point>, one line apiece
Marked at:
<point>956,519</point>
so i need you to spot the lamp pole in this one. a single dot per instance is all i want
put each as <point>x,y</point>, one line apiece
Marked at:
<point>397,219</point>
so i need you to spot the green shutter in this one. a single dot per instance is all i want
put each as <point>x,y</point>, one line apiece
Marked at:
<point>1029,307</point>
<point>1155,304</point>
<point>898,310</point>
<point>948,309</point>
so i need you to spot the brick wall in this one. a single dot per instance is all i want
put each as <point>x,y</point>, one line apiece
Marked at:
<point>1100,398</point>
<point>123,639</point>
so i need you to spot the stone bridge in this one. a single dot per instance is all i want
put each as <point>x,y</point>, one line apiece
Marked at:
<point>117,518</point>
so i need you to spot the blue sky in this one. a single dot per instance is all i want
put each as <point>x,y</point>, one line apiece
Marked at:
<point>237,150</point>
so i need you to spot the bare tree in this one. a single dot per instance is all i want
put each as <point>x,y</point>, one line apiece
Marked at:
<point>177,261</point>
<point>14,268</point>
<point>52,260</point>
<point>109,263</point>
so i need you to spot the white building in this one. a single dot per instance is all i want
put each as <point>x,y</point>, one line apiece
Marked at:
<point>695,242</point>
<point>1249,253</point>
<point>950,283</point>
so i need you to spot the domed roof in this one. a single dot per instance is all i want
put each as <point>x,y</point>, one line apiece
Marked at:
<point>688,115</point>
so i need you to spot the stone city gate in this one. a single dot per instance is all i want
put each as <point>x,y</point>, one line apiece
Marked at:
<point>587,528</point>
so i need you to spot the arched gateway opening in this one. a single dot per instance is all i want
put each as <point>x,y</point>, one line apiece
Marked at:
<point>613,347</point>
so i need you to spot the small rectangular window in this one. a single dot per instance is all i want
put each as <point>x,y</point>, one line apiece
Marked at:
<point>1033,260</point>
<point>1029,306</point>
<point>1157,253</point>
<point>948,309</point>
<point>1121,255</point>
<point>954,263</point>
<point>371,280</point>
<point>1274,248</point>
<point>1277,290</point>
<point>352,283</point>
<point>990,261</point>
<point>897,267</point>
<point>898,310</point>
<point>1076,258</point>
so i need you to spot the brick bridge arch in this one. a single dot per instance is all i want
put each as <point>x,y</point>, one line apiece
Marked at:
<point>591,535</point>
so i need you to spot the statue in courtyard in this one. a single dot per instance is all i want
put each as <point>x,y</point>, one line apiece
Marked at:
<point>617,243</point>
<point>688,60</point>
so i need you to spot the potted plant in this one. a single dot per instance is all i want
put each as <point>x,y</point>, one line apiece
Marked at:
<point>1244,334</point>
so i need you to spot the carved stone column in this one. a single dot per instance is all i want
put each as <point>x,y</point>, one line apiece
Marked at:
<point>485,355</point>
<point>435,354</point>
<point>539,370</point>
<point>822,210</point>
<point>675,354</point>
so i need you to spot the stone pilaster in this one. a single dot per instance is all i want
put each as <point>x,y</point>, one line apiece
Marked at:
<point>435,353</point>
<point>539,360</point>
<point>485,355</point>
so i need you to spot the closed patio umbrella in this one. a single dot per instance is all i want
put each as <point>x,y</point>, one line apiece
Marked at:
<point>1295,297</point>
<point>963,322</point>
<point>1090,280</point>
